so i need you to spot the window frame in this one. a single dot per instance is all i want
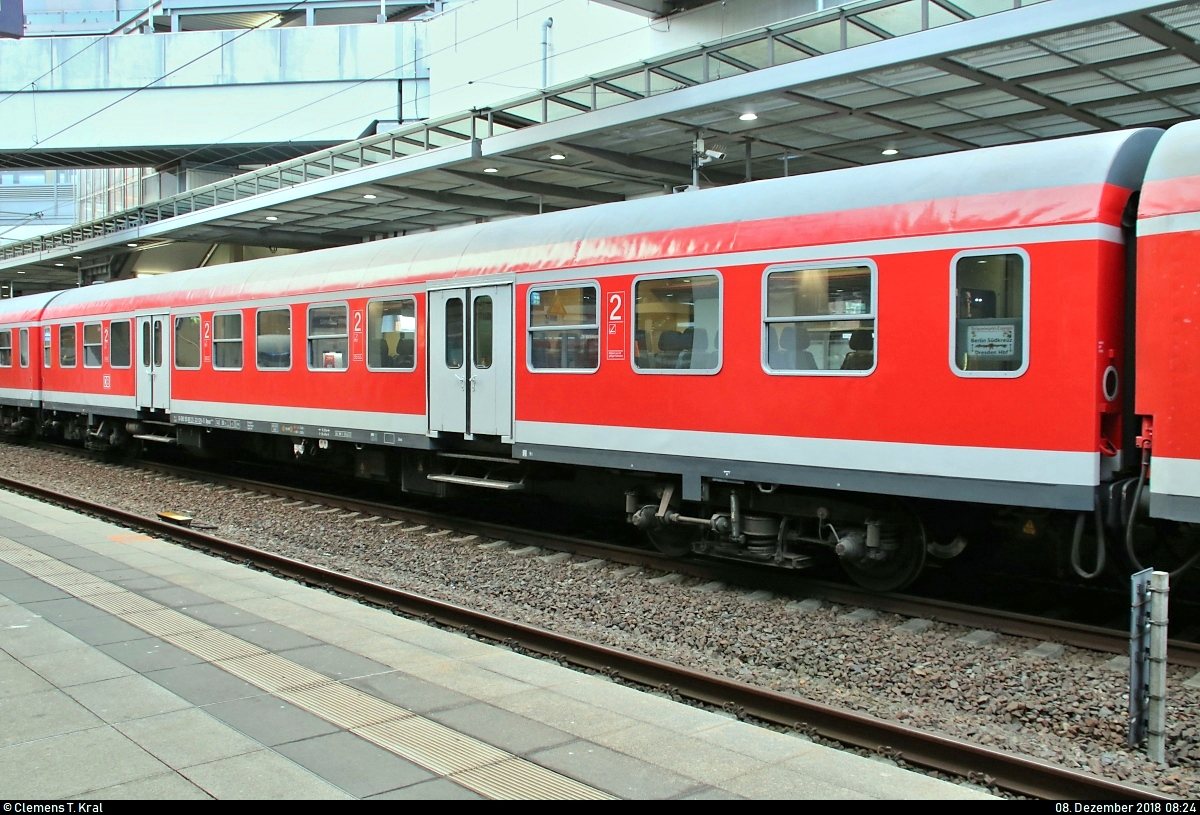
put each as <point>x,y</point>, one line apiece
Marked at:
<point>632,317</point>
<point>367,332</point>
<point>175,318</point>
<point>291,337</point>
<point>23,350</point>
<point>952,338</point>
<point>529,327</point>
<point>9,332</point>
<point>308,338</point>
<point>47,347</point>
<point>765,322</point>
<point>74,343</point>
<point>86,345</point>
<point>241,340</point>
<point>132,350</point>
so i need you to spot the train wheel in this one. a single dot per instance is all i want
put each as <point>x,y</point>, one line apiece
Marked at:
<point>672,541</point>
<point>903,564</point>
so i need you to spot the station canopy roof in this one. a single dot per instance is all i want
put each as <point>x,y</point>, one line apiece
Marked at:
<point>833,89</point>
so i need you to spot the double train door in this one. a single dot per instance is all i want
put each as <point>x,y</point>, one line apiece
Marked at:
<point>471,360</point>
<point>154,362</point>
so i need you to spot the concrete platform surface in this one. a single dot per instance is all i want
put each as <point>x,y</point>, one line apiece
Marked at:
<point>135,668</point>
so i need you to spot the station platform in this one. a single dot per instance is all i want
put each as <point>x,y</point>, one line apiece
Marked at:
<point>134,668</point>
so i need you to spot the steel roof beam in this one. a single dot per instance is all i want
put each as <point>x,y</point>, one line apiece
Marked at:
<point>471,202</point>
<point>588,172</point>
<point>1152,30</point>
<point>651,166</point>
<point>1012,89</point>
<point>581,194</point>
<point>244,236</point>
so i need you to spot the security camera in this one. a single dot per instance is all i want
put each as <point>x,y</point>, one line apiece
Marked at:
<point>714,155</point>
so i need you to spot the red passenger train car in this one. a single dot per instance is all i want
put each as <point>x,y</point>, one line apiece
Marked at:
<point>861,362</point>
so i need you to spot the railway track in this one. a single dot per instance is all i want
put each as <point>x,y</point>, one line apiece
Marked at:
<point>1184,653</point>
<point>1013,773</point>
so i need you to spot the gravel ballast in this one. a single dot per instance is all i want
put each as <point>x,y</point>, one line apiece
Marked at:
<point>1066,707</point>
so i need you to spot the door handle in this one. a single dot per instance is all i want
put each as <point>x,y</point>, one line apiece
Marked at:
<point>462,382</point>
<point>472,384</point>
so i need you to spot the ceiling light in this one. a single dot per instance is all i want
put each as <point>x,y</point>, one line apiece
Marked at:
<point>557,157</point>
<point>748,117</point>
<point>370,196</point>
<point>132,245</point>
<point>76,257</point>
<point>490,170</point>
<point>890,151</point>
<point>20,271</point>
<point>60,264</point>
<point>272,218</point>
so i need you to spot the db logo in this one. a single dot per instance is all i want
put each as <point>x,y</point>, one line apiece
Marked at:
<point>107,381</point>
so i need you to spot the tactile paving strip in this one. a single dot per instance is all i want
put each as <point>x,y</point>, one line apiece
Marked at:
<point>487,770</point>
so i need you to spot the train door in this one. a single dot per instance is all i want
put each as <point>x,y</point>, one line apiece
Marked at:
<point>470,360</point>
<point>154,362</point>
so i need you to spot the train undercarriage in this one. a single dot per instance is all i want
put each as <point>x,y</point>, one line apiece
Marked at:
<point>881,543</point>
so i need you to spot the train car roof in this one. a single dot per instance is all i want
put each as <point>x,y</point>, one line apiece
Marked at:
<point>27,308</point>
<point>610,232</point>
<point>1171,185</point>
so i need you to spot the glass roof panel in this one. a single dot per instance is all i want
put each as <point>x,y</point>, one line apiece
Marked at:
<point>1145,111</point>
<point>1151,67</point>
<point>1064,85</point>
<point>692,68</point>
<point>983,58</point>
<point>635,83</point>
<point>1028,67</point>
<point>981,8</point>
<point>752,53</point>
<point>1180,17</point>
<point>898,20</point>
<point>556,111</point>
<point>719,69</point>
<point>924,114</point>
<point>1085,37</point>
<point>785,52</point>
<point>582,96</point>
<point>664,84</point>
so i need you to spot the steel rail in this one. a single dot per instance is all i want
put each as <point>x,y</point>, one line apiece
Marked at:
<point>1078,635</point>
<point>1019,774</point>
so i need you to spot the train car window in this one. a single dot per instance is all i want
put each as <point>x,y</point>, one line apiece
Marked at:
<point>988,325</point>
<point>481,332</point>
<point>24,341</point>
<point>392,335</point>
<point>820,320</point>
<point>328,338</point>
<point>119,355</point>
<point>454,333</point>
<point>158,344</point>
<point>274,339</point>
<point>677,324</point>
<point>6,348</point>
<point>146,344</point>
<point>47,349</point>
<point>93,348</point>
<point>564,332</point>
<point>187,343</point>
<point>227,341</point>
<point>67,350</point>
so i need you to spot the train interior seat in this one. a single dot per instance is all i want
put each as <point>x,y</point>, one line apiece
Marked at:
<point>862,351</point>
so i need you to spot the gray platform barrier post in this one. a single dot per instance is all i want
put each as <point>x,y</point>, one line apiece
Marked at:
<point>1160,588</point>
<point>1139,653</point>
